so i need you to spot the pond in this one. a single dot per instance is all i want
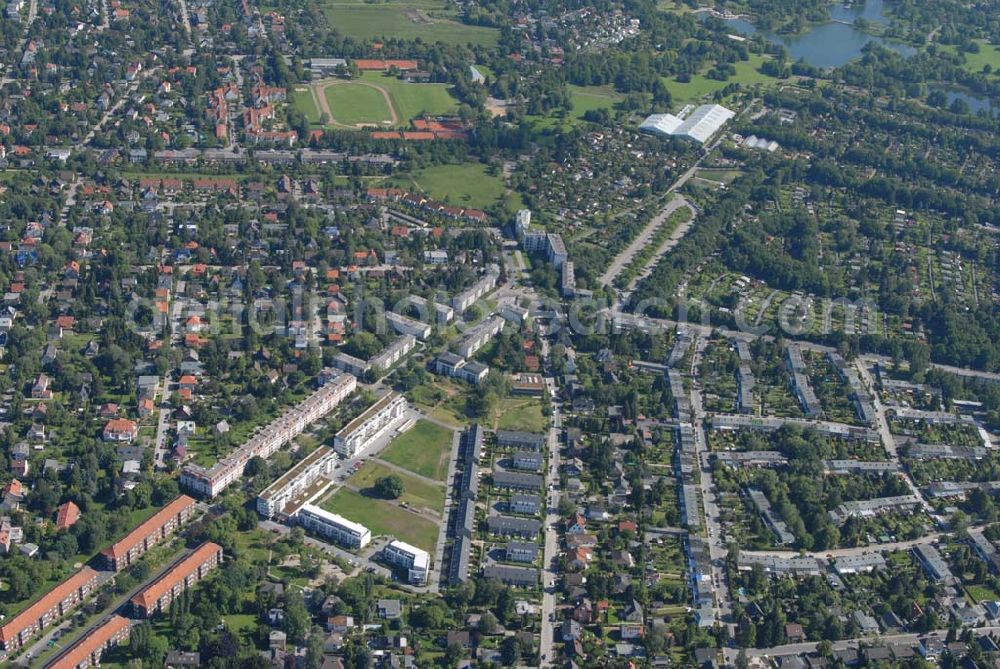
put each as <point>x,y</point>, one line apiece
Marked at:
<point>975,102</point>
<point>830,44</point>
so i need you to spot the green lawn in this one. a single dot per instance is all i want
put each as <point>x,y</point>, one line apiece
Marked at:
<point>467,184</point>
<point>584,98</point>
<point>238,622</point>
<point>405,20</point>
<point>302,100</point>
<point>747,74</point>
<point>383,518</point>
<point>354,103</point>
<point>423,449</point>
<point>418,493</point>
<point>521,414</point>
<point>974,62</point>
<point>412,100</point>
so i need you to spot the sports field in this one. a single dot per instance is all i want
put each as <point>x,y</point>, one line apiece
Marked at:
<point>358,103</point>
<point>373,99</point>
<point>384,519</point>
<point>406,19</point>
<point>423,449</point>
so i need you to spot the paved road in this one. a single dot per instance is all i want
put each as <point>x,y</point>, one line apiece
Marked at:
<point>643,239</point>
<point>435,577</point>
<point>731,654</point>
<point>886,434</point>
<point>717,550</point>
<point>675,237</point>
<point>551,551</point>
<point>858,550</point>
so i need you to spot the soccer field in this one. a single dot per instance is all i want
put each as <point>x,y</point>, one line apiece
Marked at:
<point>373,99</point>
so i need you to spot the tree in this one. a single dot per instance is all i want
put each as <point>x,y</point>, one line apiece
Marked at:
<point>296,616</point>
<point>389,487</point>
<point>453,654</point>
<point>510,651</point>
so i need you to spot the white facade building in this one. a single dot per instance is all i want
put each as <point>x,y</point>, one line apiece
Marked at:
<point>411,558</point>
<point>375,421</point>
<point>209,482</point>
<point>699,126</point>
<point>296,480</point>
<point>330,525</point>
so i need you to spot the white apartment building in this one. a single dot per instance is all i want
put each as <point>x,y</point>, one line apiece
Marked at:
<point>210,481</point>
<point>411,558</point>
<point>332,526</point>
<point>479,336</point>
<point>470,295</point>
<point>375,421</point>
<point>405,325</point>
<point>296,480</point>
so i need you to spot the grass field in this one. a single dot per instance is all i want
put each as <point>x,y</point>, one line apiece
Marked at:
<point>383,518</point>
<point>466,184</point>
<point>423,449</point>
<point>521,414</point>
<point>747,74</point>
<point>412,100</point>
<point>974,62</point>
<point>302,100</point>
<point>584,98</point>
<point>353,103</point>
<point>405,20</point>
<point>417,492</point>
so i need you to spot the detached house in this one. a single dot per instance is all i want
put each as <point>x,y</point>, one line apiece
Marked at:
<point>120,429</point>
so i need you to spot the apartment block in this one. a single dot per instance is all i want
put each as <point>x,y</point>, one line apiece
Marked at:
<point>161,525</point>
<point>183,575</point>
<point>332,526</point>
<point>376,420</point>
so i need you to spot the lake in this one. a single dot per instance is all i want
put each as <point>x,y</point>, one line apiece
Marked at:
<point>975,102</point>
<point>830,44</point>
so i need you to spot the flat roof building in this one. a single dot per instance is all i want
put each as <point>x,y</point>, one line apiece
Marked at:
<point>417,562</point>
<point>333,526</point>
<point>272,500</point>
<point>359,434</point>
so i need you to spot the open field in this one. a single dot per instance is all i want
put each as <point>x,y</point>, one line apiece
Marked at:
<point>521,414</point>
<point>584,98</point>
<point>357,103</point>
<point>406,20</point>
<point>747,74</point>
<point>974,62</point>
<point>466,184</point>
<point>423,449</point>
<point>372,99</point>
<point>417,492</point>
<point>302,99</point>
<point>383,518</point>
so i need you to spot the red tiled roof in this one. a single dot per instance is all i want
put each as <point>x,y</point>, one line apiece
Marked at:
<point>148,597</point>
<point>30,615</point>
<point>67,515</point>
<point>97,639</point>
<point>120,548</point>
